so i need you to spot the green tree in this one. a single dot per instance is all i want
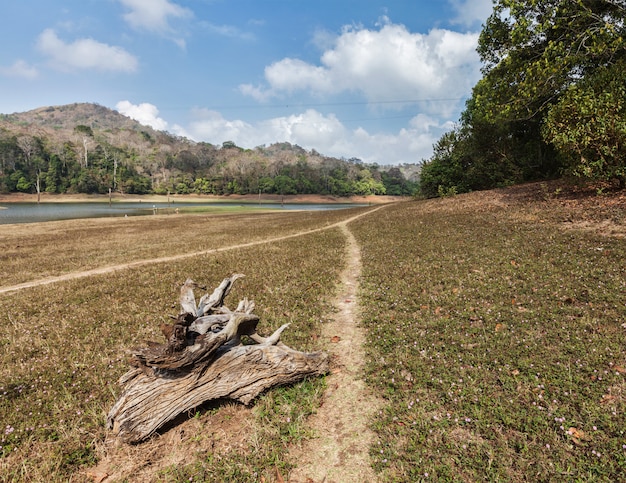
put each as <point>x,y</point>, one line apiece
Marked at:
<point>551,98</point>
<point>588,125</point>
<point>266,185</point>
<point>54,175</point>
<point>340,187</point>
<point>552,62</point>
<point>445,171</point>
<point>396,184</point>
<point>20,182</point>
<point>229,145</point>
<point>367,185</point>
<point>202,186</point>
<point>139,185</point>
<point>181,188</point>
<point>285,185</point>
<point>82,129</point>
<point>233,187</point>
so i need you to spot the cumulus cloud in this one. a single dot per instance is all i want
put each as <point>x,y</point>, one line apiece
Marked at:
<point>210,126</point>
<point>155,16</point>
<point>84,54</point>
<point>144,113</point>
<point>390,63</point>
<point>390,68</point>
<point>21,69</point>
<point>325,133</point>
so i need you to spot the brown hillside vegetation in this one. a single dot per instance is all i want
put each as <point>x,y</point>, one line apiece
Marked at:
<point>98,136</point>
<point>597,208</point>
<point>69,116</point>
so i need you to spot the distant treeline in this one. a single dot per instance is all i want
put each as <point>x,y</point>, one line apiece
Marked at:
<point>302,178</point>
<point>27,166</point>
<point>90,162</point>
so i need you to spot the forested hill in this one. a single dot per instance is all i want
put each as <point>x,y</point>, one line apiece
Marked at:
<point>88,148</point>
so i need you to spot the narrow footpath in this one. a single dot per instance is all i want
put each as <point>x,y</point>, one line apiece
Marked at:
<point>340,452</point>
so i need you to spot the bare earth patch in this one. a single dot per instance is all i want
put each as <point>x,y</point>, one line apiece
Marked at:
<point>219,433</point>
<point>568,206</point>
<point>340,452</point>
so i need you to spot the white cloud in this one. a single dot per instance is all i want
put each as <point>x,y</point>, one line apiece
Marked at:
<point>291,75</point>
<point>210,126</point>
<point>84,54</point>
<point>227,31</point>
<point>324,133</point>
<point>471,12</point>
<point>144,113</point>
<point>309,129</point>
<point>390,63</point>
<point>21,69</point>
<point>153,15</point>
<point>323,39</point>
<point>391,68</point>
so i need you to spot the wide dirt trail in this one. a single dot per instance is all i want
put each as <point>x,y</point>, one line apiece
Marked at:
<point>173,258</point>
<point>340,452</point>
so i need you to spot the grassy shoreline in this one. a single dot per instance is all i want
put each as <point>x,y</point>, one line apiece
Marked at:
<point>27,251</point>
<point>58,381</point>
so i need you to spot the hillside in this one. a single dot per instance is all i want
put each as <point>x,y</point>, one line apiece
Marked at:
<point>66,118</point>
<point>88,148</point>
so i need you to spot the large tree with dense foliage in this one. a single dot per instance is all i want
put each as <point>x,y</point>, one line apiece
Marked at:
<point>551,97</point>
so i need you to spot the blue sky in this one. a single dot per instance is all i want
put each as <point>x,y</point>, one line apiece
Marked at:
<point>378,80</point>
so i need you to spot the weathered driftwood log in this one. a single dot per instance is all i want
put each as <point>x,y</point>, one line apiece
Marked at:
<point>204,360</point>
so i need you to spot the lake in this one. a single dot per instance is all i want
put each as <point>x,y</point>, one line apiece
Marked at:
<point>33,212</point>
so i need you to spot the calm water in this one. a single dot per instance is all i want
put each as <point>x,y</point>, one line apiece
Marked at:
<point>32,212</point>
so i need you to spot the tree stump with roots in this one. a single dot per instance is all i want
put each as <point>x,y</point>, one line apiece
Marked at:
<point>203,360</point>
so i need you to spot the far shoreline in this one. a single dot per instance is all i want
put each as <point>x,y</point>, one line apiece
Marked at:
<point>192,198</point>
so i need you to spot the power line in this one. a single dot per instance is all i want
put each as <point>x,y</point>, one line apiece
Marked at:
<point>339,103</point>
<point>385,118</point>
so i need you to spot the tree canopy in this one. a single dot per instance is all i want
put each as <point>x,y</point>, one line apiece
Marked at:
<point>551,99</point>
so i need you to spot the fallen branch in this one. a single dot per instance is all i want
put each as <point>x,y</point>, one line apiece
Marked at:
<point>203,360</point>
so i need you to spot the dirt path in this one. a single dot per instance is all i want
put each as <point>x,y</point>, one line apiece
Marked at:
<point>139,263</point>
<point>340,452</point>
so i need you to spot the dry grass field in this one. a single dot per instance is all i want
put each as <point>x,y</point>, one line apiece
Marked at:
<point>495,325</point>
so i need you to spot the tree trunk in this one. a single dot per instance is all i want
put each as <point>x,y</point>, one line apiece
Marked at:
<point>205,360</point>
<point>38,184</point>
